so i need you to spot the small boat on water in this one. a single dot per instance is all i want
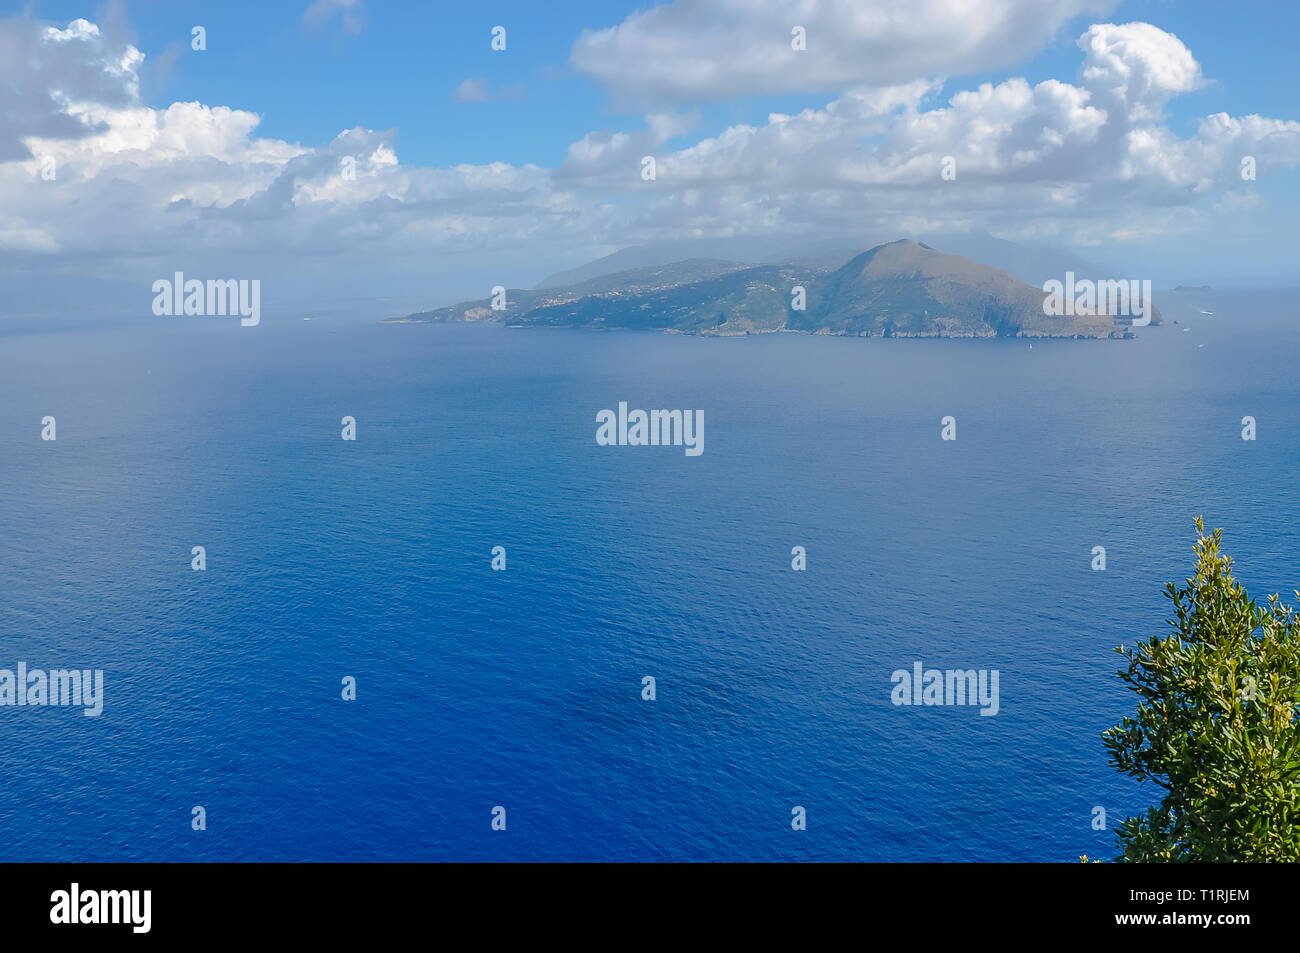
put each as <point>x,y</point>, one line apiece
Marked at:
<point>1207,312</point>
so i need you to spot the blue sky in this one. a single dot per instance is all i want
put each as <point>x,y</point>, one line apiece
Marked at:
<point>540,184</point>
<point>401,70</point>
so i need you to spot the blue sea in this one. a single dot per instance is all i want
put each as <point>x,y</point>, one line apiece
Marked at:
<point>522,689</point>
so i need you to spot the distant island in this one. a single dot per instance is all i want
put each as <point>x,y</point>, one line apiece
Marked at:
<point>899,289</point>
<point>1193,288</point>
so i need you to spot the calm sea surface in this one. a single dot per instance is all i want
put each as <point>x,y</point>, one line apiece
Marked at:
<point>522,688</point>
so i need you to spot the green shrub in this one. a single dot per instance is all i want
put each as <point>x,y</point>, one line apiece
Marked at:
<point>1215,725</point>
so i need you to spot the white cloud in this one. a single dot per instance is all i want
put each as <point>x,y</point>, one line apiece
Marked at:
<point>703,50</point>
<point>1137,66</point>
<point>1085,161</point>
<point>42,70</point>
<point>138,188</point>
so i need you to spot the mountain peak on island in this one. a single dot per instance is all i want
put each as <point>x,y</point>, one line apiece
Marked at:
<point>901,288</point>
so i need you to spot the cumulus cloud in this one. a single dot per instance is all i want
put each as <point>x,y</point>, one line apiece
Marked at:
<point>99,178</point>
<point>1137,67</point>
<point>607,157</point>
<point>704,50</point>
<point>138,187</point>
<point>45,68</point>
<point>1089,160</point>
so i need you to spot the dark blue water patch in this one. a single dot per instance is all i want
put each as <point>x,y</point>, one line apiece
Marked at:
<point>372,559</point>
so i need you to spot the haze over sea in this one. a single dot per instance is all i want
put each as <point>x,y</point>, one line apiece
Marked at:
<point>522,688</point>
